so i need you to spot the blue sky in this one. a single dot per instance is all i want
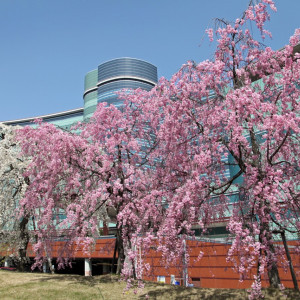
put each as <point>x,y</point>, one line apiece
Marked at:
<point>47,46</point>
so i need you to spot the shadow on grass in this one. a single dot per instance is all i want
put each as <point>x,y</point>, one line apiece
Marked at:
<point>159,291</point>
<point>179,293</point>
<point>90,281</point>
<point>274,294</point>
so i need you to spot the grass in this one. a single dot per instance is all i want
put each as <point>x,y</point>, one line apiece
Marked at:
<point>14,285</point>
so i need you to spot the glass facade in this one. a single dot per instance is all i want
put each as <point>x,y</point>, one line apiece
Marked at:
<point>90,93</point>
<point>127,67</point>
<point>103,84</point>
<point>108,91</point>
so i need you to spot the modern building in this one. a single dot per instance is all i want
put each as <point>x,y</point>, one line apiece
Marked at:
<point>102,85</point>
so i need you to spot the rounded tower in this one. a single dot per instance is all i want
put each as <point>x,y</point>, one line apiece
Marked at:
<point>102,84</point>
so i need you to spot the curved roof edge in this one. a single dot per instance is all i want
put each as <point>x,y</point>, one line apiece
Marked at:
<point>126,57</point>
<point>59,114</point>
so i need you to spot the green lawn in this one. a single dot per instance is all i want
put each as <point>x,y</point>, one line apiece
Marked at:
<point>14,285</point>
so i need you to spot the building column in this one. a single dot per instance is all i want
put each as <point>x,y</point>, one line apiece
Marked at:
<point>87,267</point>
<point>6,263</point>
<point>185,266</point>
<point>45,267</point>
<point>105,268</point>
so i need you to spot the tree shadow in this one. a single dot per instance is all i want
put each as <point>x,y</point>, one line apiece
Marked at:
<point>159,291</point>
<point>275,294</point>
<point>90,281</point>
<point>178,293</point>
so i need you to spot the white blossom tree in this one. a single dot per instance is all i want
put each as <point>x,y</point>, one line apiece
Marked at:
<point>14,234</point>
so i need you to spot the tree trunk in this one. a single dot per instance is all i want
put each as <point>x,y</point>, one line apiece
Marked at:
<point>23,244</point>
<point>273,274</point>
<point>290,261</point>
<point>113,268</point>
<point>133,262</point>
<point>51,268</point>
<point>121,253</point>
<point>274,279</point>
